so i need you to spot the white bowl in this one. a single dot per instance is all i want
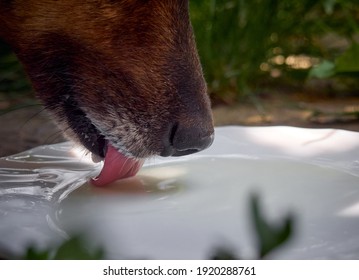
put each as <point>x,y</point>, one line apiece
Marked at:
<point>184,208</point>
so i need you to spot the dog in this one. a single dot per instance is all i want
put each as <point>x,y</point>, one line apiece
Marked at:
<point>123,78</point>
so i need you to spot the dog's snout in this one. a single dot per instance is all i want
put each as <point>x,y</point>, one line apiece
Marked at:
<point>182,140</point>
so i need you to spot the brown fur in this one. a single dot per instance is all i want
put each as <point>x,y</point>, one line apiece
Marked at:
<point>121,71</point>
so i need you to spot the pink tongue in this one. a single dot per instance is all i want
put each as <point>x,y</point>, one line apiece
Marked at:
<point>116,166</point>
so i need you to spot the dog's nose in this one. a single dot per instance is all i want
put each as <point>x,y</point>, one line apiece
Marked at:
<point>182,140</point>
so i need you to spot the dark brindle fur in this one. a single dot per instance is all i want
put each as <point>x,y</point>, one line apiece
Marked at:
<point>121,71</point>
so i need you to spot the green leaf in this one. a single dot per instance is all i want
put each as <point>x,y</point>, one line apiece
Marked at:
<point>34,254</point>
<point>75,249</point>
<point>348,62</point>
<point>223,254</point>
<point>269,236</point>
<point>323,70</point>
<point>329,6</point>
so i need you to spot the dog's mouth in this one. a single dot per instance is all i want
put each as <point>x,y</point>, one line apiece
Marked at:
<point>117,165</point>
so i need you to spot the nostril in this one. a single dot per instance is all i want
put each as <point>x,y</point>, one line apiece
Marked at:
<point>196,146</point>
<point>173,133</point>
<point>168,140</point>
<point>179,140</point>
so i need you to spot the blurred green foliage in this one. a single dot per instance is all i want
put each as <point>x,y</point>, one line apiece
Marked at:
<point>346,64</point>
<point>15,89</point>
<point>12,76</point>
<point>269,236</point>
<point>245,44</point>
<point>74,248</point>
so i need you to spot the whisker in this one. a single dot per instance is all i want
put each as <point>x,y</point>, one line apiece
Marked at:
<point>52,138</point>
<point>32,117</point>
<point>4,112</point>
